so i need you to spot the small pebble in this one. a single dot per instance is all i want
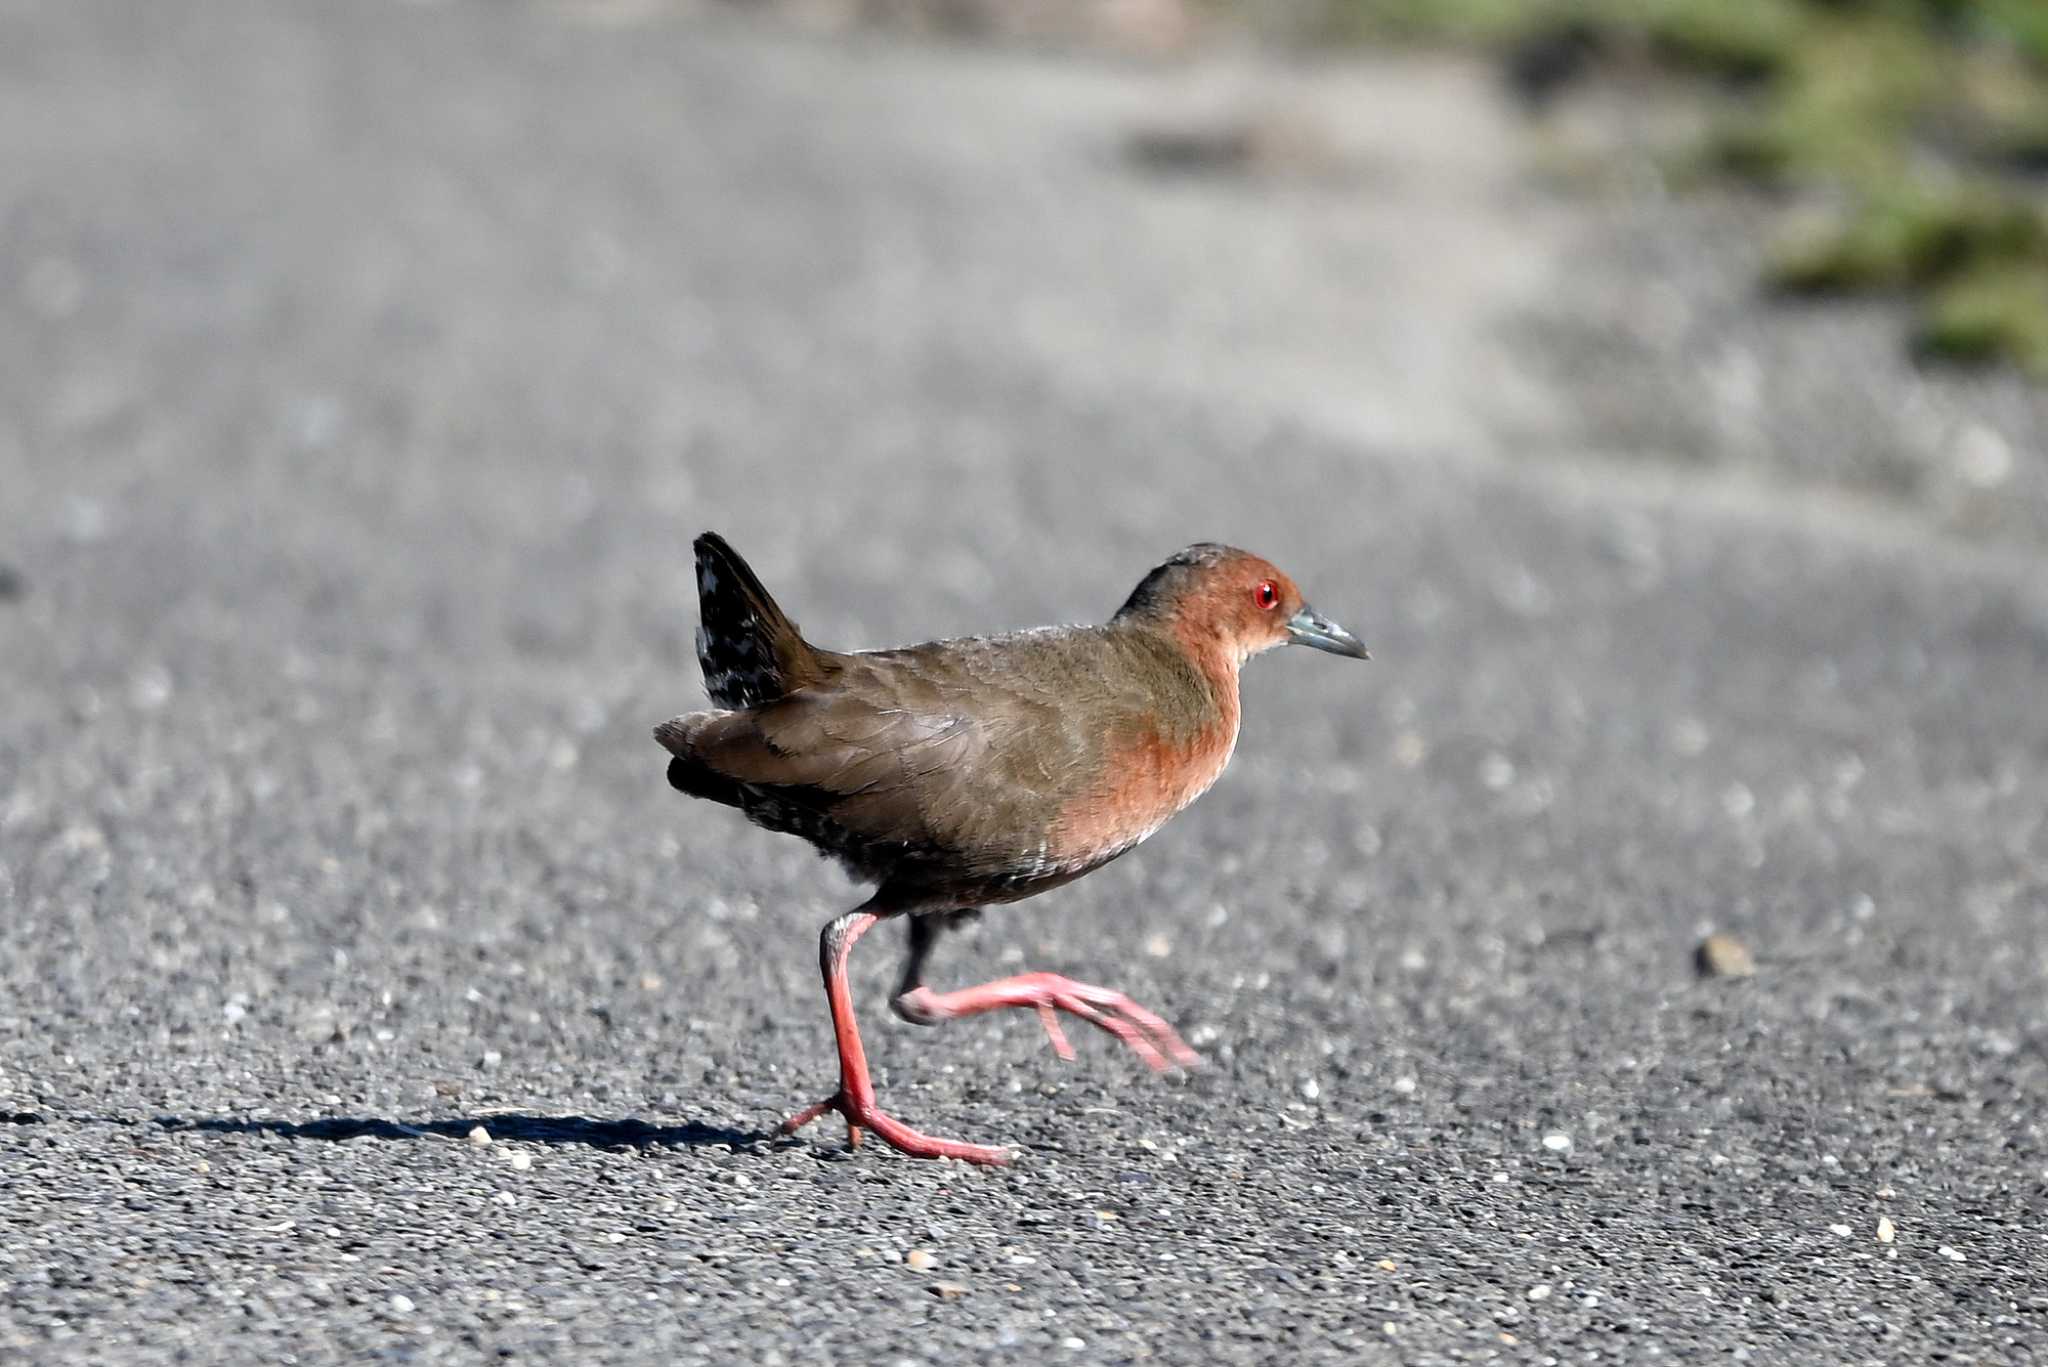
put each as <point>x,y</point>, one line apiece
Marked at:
<point>1886,1231</point>
<point>1387,1264</point>
<point>1690,737</point>
<point>151,688</point>
<point>1558,1143</point>
<point>401,1305</point>
<point>1540,1292</point>
<point>1723,956</point>
<point>1840,1231</point>
<point>479,1136</point>
<point>1983,457</point>
<point>1954,1255</point>
<point>948,1291</point>
<point>920,1260</point>
<point>520,1161</point>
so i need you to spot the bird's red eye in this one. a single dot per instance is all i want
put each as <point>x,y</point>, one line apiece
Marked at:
<point>1266,595</point>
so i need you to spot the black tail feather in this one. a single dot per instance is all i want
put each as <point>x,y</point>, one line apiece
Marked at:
<point>750,651</point>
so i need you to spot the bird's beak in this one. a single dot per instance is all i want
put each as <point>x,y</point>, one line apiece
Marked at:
<point>1310,628</point>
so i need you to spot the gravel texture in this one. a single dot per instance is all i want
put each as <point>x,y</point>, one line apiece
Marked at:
<point>365,369</point>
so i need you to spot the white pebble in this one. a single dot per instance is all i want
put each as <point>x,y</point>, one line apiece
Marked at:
<point>401,1305</point>
<point>150,689</point>
<point>1886,1231</point>
<point>1404,1085</point>
<point>1690,737</point>
<point>1557,1143</point>
<point>1954,1255</point>
<point>1311,1089</point>
<point>1840,1231</point>
<point>1983,457</point>
<point>480,1136</point>
<point>1540,1292</point>
<point>521,1161</point>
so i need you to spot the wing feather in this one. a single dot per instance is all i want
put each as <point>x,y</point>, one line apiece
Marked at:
<point>957,755</point>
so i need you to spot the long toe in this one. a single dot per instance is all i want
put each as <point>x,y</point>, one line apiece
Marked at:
<point>1143,1032</point>
<point>900,1136</point>
<point>895,1133</point>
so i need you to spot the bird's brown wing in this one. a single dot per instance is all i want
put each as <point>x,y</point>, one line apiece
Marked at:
<point>934,755</point>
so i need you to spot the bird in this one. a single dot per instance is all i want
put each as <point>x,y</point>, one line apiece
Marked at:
<point>978,771</point>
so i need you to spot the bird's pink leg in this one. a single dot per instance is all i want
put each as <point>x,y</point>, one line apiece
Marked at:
<point>1149,1037</point>
<point>855,1098</point>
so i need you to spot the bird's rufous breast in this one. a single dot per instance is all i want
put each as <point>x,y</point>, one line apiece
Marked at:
<point>1146,778</point>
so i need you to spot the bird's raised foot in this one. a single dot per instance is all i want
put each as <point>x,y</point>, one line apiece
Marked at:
<point>1144,1032</point>
<point>894,1133</point>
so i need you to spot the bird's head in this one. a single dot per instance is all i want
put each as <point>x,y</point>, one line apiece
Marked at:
<point>1219,597</point>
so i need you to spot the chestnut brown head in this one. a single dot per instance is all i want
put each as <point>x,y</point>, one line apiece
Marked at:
<point>1237,601</point>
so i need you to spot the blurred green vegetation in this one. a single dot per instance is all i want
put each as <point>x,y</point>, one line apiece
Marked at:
<point>1924,121</point>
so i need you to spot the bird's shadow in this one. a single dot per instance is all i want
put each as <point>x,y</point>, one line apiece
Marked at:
<point>532,1129</point>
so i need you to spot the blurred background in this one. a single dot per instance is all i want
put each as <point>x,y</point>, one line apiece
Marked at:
<point>1656,385</point>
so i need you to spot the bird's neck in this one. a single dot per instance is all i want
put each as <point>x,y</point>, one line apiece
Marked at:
<point>1196,681</point>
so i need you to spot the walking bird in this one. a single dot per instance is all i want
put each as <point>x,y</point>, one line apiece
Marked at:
<point>960,774</point>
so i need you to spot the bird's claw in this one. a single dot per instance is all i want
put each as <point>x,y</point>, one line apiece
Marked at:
<point>1144,1033</point>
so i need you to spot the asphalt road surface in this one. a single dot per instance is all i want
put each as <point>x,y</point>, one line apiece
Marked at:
<point>365,369</point>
